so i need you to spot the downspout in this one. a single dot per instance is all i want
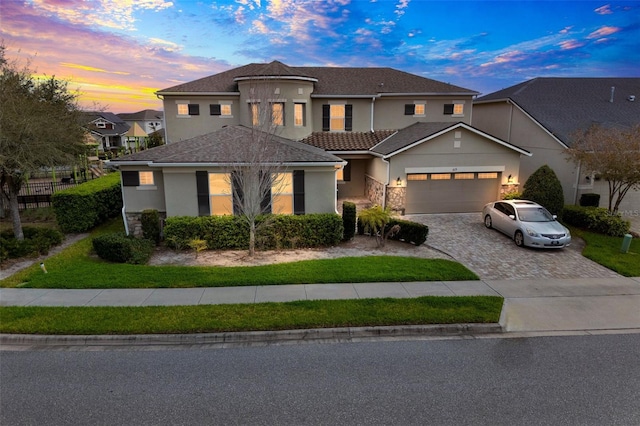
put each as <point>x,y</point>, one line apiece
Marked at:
<point>373,101</point>
<point>124,215</point>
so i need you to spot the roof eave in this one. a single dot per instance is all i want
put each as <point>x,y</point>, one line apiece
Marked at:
<point>161,93</point>
<point>431,94</point>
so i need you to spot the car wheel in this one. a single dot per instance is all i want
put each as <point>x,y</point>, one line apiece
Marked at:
<point>487,221</point>
<point>519,239</point>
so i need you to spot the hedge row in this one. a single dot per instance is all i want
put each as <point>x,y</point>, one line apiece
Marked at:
<point>117,247</point>
<point>273,231</point>
<point>596,219</point>
<point>87,205</point>
<point>410,232</point>
<point>36,241</point>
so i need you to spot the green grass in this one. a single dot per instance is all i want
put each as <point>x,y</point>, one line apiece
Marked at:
<point>605,250</point>
<point>75,267</point>
<point>263,316</point>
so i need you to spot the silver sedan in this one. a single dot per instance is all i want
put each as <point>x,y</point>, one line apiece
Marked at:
<point>528,223</point>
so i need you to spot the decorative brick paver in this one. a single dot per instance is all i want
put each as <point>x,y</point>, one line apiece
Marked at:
<point>493,255</point>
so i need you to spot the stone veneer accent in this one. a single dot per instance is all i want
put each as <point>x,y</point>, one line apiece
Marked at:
<point>396,197</point>
<point>508,188</point>
<point>134,223</point>
<point>373,190</point>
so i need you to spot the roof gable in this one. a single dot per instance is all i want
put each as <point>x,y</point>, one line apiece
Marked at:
<point>564,105</point>
<point>419,133</point>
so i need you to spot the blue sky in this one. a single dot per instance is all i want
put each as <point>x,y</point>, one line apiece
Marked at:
<point>120,52</point>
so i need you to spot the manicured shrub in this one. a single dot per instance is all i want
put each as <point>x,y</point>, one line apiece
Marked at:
<point>150,220</point>
<point>596,219</point>
<point>348,220</point>
<point>85,206</point>
<point>273,231</point>
<point>118,247</point>
<point>514,195</point>
<point>36,241</point>
<point>590,200</point>
<point>544,188</point>
<point>410,232</point>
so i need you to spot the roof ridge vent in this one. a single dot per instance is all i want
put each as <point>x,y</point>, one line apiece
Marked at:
<point>613,90</point>
<point>631,98</point>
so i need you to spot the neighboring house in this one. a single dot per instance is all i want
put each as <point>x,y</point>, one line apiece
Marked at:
<point>149,120</point>
<point>106,128</point>
<point>541,115</point>
<point>398,139</point>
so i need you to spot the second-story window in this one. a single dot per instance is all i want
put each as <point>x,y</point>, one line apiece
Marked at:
<point>222,109</point>
<point>415,109</point>
<point>298,115</point>
<point>255,113</point>
<point>277,113</point>
<point>337,117</point>
<point>454,109</point>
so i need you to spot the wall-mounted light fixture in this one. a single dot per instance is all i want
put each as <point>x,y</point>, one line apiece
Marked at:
<point>510,179</point>
<point>398,181</point>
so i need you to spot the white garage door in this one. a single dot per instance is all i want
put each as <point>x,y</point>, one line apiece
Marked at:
<point>451,192</point>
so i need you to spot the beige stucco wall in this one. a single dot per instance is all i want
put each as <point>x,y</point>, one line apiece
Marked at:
<point>389,111</point>
<point>630,205</point>
<point>186,127</point>
<point>181,192</point>
<point>526,134</point>
<point>474,154</point>
<point>319,190</point>
<point>354,187</point>
<point>139,198</point>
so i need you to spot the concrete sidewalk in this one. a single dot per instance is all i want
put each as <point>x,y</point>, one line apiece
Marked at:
<point>530,305</point>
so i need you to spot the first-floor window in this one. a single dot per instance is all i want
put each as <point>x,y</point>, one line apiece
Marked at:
<point>282,193</point>
<point>146,178</point>
<point>220,195</point>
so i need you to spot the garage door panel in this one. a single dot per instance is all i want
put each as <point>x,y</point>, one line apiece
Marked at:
<point>450,196</point>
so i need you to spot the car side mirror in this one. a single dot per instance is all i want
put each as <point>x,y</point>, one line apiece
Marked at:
<point>512,216</point>
<point>555,216</point>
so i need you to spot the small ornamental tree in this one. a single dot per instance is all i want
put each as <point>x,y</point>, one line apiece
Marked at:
<point>544,187</point>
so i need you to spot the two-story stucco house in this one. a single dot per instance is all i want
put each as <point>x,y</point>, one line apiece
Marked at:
<point>401,140</point>
<point>542,115</point>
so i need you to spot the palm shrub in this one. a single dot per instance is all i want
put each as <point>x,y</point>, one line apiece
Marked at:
<point>374,220</point>
<point>544,187</point>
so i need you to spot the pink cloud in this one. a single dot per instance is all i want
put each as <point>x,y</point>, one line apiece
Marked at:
<point>603,31</point>
<point>604,10</point>
<point>571,44</point>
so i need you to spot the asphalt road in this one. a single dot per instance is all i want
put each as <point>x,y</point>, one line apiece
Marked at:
<point>570,380</point>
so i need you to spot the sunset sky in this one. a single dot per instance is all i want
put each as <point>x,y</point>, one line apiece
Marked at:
<point>120,52</point>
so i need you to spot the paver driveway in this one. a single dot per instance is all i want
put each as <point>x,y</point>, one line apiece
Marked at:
<point>493,255</point>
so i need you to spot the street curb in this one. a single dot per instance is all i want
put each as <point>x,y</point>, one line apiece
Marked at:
<point>251,337</point>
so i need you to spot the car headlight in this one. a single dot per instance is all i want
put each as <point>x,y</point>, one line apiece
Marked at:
<point>531,232</point>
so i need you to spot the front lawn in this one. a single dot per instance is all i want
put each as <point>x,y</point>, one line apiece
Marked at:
<point>74,267</point>
<point>605,250</point>
<point>262,316</point>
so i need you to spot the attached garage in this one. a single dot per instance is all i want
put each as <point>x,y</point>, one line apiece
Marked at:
<point>450,192</point>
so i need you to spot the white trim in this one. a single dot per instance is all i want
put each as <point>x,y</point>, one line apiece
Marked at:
<point>299,101</point>
<point>456,169</point>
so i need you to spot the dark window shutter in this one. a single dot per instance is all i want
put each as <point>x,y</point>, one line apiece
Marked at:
<point>202,185</point>
<point>298,192</point>
<point>214,109</point>
<point>265,204</point>
<point>348,118</point>
<point>194,109</point>
<point>346,172</point>
<point>326,118</point>
<point>130,178</point>
<point>409,109</point>
<point>448,109</point>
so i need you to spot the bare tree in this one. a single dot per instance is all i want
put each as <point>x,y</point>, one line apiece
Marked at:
<point>613,154</point>
<point>39,127</point>
<point>259,177</point>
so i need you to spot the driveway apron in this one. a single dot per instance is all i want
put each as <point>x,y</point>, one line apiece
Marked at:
<point>493,255</point>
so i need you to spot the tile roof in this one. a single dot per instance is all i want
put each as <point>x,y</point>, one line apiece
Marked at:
<point>221,147</point>
<point>347,141</point>
<point>331,81</point>
<point>563,105</point>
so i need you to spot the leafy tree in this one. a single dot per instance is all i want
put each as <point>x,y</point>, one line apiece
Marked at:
<point>155,139</point>
<point>614,154</point>
<point>39,127</point>
<point>544,188</point>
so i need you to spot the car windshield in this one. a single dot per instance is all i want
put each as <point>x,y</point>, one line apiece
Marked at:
<point>537,214</point>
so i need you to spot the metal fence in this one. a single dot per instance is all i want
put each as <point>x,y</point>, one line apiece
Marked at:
<point>38,194</point>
